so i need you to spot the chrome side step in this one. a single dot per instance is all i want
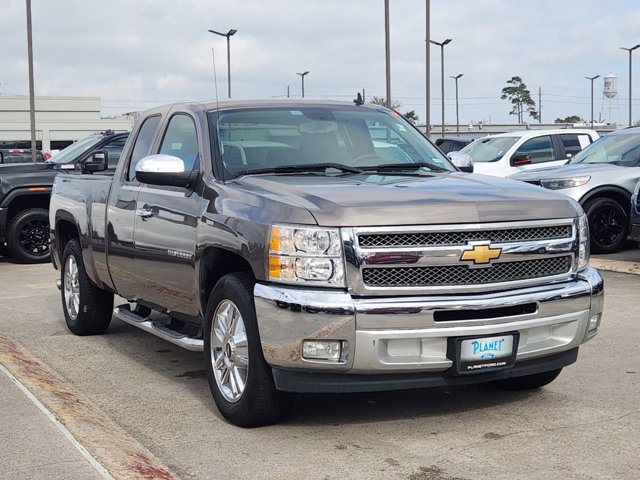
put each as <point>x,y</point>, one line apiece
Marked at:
<point>124,313</point>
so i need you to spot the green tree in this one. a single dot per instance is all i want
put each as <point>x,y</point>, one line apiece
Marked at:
<point>395,104</point>
<point>411,116</point>
<point>569,119</point>
<point>520,97</point>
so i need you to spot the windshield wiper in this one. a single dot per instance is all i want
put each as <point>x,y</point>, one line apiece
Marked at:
<point>402,167</point>
<point>310,167</point>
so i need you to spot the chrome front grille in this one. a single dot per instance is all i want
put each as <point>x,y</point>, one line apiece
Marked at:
<point>452,275</point>
<point>433,239</point>
<point>459,258</point>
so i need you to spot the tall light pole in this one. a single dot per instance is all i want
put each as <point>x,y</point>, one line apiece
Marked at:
<point>32,98</point>
<point>428,68</point>
<point>302,75</point>
<point>630,50</point>
<point>592,79</point>
<point>456,78</point>
<point>387,49</point>
<point>441,45</point>
<point>229,34</point>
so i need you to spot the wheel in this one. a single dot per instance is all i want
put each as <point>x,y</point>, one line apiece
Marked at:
<point>528,382</point>
<point>608,225</point>
<point>28,236</point>
<point>87,308</point>
<point>240,380</point>
<point>4,251</point>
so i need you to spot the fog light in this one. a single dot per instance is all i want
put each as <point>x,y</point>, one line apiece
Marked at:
<point>594,322</point>
<point>322,350</point>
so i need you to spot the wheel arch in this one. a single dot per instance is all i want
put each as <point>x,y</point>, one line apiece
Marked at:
<point>214,263</point>
<point>620,195</point>
<point>23,200</point>
<point>65,230</point>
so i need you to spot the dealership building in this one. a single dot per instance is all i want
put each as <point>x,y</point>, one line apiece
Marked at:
<point>59,121</point>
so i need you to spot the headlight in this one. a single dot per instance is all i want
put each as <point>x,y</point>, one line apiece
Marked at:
<point>583,242</point>
<point>306,255</point>
<point>561,183</point>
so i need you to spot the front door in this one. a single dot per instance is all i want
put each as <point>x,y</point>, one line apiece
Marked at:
<point>165,228</point>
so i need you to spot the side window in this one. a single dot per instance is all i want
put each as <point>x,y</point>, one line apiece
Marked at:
<point>180,140</point>
<point>540,149</point>
<point>143,144</point>
<point>571,143</point>
<point>114,150</point>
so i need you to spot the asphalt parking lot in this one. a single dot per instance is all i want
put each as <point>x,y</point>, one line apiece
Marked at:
<point>142,408</point>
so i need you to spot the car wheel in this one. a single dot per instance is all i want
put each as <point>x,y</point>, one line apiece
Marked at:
<point>240,380</point>
<point>87,308</point>
<point>608,225</point>
<point>528,382</point>
<point>28,236</point>
<point>4,251</point>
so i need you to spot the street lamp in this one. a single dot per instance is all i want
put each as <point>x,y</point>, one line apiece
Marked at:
<point>441,45</point>
<point>592,79</point>
<point>456,78</point>
<point>302,75</point>
<point>229,34</point>
<point>630,50</point>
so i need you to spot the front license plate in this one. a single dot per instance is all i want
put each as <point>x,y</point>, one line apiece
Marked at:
<point>480,354</point>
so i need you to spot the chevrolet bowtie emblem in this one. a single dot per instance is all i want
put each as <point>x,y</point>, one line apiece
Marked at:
<point>481,254</point>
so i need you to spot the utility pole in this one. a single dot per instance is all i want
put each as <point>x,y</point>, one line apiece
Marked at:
<point>427,63</point>
<point>32,99</point>
<point>387,48</point>
<point>539,104</point>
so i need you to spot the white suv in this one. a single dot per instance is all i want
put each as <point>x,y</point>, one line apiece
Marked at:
<point>509,153</point>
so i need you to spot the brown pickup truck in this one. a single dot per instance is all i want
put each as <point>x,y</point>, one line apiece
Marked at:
<point>323,247</point>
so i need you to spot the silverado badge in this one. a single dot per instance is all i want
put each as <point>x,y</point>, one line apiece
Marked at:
<point>481,254</point>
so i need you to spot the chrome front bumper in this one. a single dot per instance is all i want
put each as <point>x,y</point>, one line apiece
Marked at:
<point>411,334</point>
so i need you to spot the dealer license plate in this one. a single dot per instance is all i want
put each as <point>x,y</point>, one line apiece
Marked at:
<point>486,353</point>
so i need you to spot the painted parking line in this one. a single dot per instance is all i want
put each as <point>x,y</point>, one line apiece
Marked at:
<point>113,452</point>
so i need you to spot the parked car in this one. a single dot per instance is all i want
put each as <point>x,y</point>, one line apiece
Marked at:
<point>25,189</point>
<point>452,144</point>
<point>602,178</point>
<point>513,152</point>
<point>635,214</point>
<point>19,155</point>
<point>312,258</point>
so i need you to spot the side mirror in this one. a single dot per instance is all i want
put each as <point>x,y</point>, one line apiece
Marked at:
<point>463,161</point>
<point>163,169</point>
<point>97,163</point>
<point>519,160</point>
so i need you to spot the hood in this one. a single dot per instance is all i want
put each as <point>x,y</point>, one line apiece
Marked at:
<point>379,200</point>
<point>566,171</point>
<point>12,168</point>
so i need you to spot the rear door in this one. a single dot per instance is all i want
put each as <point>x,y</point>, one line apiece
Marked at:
<point>165,227</point>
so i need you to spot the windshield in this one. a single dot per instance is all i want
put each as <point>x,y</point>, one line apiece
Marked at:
<point>346,139</point>
<point>618,149</point>
<point>489,149</point>
<point>73,151</point>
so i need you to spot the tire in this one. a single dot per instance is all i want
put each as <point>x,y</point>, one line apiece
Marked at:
<point>528,382</point>
<point>4,251</point>
<point>608,225</point>
<point>28,236</point>
<point>87,308</point>
<point>240,380</point>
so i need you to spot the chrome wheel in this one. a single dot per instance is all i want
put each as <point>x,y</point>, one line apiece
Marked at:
<point>71,287</point>
<point>229,351</point>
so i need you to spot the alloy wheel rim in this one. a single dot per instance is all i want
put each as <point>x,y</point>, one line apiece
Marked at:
<point>72,287</point>
<point>608,226</point>
<point>34,238</point>
<point>229,351</point>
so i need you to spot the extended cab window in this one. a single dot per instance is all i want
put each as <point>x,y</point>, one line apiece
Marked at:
<point>180,140</point>
<point>143,144</point>
<point>572,143</point>
<point>540,149</point>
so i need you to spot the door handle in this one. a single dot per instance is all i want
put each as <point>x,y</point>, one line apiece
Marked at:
<point>144,212</point>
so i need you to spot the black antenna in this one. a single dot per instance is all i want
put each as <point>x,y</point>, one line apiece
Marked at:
<point>359,100</point>
<point>215,77</point>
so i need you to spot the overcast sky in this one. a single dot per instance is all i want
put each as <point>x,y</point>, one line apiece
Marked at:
<point>143,53</point>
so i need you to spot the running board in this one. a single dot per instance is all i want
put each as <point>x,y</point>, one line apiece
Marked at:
<point>124,313</point>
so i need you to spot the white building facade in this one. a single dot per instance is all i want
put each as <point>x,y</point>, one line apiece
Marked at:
<point>59,121</point>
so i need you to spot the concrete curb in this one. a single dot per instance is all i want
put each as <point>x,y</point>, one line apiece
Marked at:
<point>616,266</point>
